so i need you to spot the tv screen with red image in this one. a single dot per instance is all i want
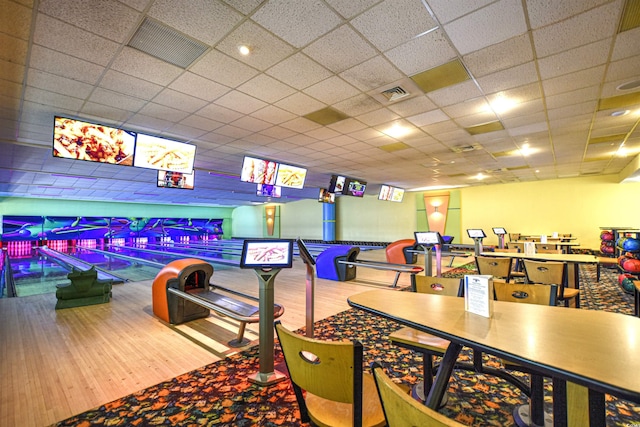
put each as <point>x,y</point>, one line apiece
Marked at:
<point>259,171</point>
<point>169,179</point>
<point>324,196</point>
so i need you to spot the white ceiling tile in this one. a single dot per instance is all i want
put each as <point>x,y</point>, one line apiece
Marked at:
<point>377,117</point>
<point>297,21</point>
<point>266,49</point>
<point>434,50</point>
<point>200,122</point>
<point>300,124</point>
<point>223,69</point>
<point>386,27</point>
<point>575,97</point>
<point>591,26</point>
<point>500,56</point>
<point>219,113</point>
<point>240,102</point>
<point>64,65</point>
<point>350,8</point>
<point>273,114</point>
<point>340,49</point>
<point>66,38</point>
<point>510,78</point>
<point>574,60</point>
<point>53,99</point>
<point>300,104</point>
<point>573,81</point>
<point>244,6</point>
<point>626,44</point>
<point>266,88</point>
<point>428,118</point>
<point>206,21</point>
<point>624,69</point>
<point>198,86</point>
<point>180,101</point>
<point>466,108</point>
<point>492,24</point>
<point>357,105</point>
<point>544,12</point>
<point>412,106</point>
<point>130,85</point>
<point>58,84</point>
<point>446,11</point>
<point>456,93</point>
<point>251,124</point>
<point>299,71</point>
<point>11,71</point>
<point>372,74</point>
<point>162,112</point>
<point>135,63</point>
<point>116,100</point>
<point>331,90</point>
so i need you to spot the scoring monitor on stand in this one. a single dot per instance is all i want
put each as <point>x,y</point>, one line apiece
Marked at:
<point>477,234</point>
<point>500,232</point>
<point>429,240</point>
<point>267,257</point>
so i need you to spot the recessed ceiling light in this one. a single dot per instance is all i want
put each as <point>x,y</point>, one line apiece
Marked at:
<point>619,113</point>
<point>244,50</point>
<point>629,85</point>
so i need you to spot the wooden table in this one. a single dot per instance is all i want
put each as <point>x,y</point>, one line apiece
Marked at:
<point>572,261</point>
<point>594,352</point>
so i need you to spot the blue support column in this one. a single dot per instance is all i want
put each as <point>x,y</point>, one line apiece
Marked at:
<point>328,222</point>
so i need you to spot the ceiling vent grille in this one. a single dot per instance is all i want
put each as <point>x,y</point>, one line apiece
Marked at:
<point>395,93</point>
<point>167,44</point>
<point>466,148</point>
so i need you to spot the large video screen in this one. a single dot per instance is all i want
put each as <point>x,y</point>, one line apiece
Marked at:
<point>336,185</point>
<point>355,187</point>
<point>153,152</point>
<point>291,176</point>
<point>393,194</point>
<point>169,179</point>
<point>269,190</point>
<point>258,171</point>
<point>324,196</point>
<point>80,140</point>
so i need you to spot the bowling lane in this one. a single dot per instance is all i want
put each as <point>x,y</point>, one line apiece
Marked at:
<point>36,274</point>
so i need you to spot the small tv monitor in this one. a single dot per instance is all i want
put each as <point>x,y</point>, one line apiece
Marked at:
<point>476,233</point>
<point>267,253</point>
<point>499,231</point>
<point>304,253</point>
<point>81,140</point>
<point>268,190</point>
<point>393,194</point>
<point>168,179</point>
<point>291,176</point>
<point>324,196</point>
<point>336,185</point>
<point>259,171</point>
<point>428,238</point>
<point>153,152</point>
<point>355,187</point>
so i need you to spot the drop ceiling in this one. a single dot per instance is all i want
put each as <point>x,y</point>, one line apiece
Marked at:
<point>410,93</point>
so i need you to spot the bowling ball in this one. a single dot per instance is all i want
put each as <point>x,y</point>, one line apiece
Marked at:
<point>606,236</point>
<point>606,249</point>
<point>623,276</point>
<point>631,245</point>
<point>620,242</point>
<point>632,265</point>
<point>627,285</point>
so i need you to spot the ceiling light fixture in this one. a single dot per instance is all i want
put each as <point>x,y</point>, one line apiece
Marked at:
<point>244,50</point>
<point>480,176</point>
<point>397,131</point>
<point>619,113</point>
<point>501,104</point>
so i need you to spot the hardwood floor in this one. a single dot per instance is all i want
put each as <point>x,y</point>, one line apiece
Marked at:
<point>57,363</point>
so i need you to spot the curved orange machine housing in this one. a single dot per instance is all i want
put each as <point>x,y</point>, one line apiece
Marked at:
<point>395,251</point>
<point>176,271</point>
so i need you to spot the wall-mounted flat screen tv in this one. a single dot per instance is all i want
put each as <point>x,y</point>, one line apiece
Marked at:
<point>269,190</point>
<point>291,176</point>
<point>324,196</point>
<point>336,185</point>
<point>476,233</point>
<point>259,171</point>
<point>355,187</point>
<point>81,140</point>
<point>170,179</point>
<point>153,152</point>
<point>393,194</point>
<point>267,253</point>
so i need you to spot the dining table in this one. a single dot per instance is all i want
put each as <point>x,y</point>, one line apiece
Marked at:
<point>594,352</point>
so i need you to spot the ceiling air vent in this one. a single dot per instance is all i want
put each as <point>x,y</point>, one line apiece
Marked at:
<point>466,148</point>
<point>167,44</point>
<point>395,93</point>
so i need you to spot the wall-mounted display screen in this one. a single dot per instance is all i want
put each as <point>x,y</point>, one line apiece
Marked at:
<point>336,185</point>
<point>428,238</point>
<point>355,187</point>
<point>393,194</point>
<point>476,233</point>
<point>169,179</point>
<point>291,176</point>
<point>259,171</point>
<point>324,196</point>
<point>269,190</point>
<point>499,231</point>
<point>153,152</point>
<point>80,140</point>
<point>267,253</point>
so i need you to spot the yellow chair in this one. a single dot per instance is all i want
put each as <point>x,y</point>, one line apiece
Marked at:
<point>552,272</point>
<point>328,381</point>
<point>514,237</point>
<point>528,294</point>
<point>516,270</point>
<point>546,247</point>
<point>499,268</point>
<point>423,342</point>
<point>548,251</point>
<point>400,410</point>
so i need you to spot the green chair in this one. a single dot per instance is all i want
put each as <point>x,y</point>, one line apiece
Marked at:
<point>85,289</point>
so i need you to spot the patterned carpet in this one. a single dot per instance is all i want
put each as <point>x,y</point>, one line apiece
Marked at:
<point>219,394</point>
